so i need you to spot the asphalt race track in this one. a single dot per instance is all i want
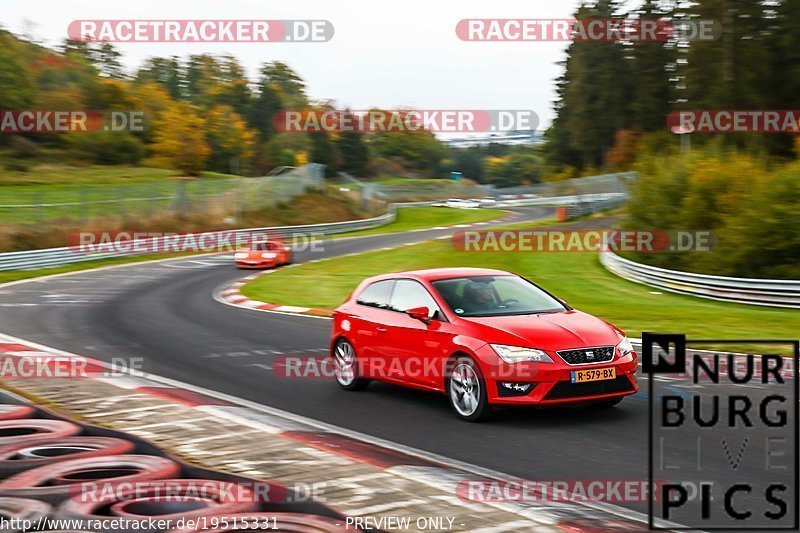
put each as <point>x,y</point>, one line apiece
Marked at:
<point>165,313</point>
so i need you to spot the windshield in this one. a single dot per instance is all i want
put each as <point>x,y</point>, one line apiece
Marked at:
<point>495,296</point>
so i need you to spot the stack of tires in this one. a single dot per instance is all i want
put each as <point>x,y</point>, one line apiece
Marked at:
<point>54,469</point>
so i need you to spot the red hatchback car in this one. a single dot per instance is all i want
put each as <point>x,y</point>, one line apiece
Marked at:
<point>483,337</point>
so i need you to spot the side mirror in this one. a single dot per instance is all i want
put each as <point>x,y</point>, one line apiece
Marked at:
<point>420,313</point>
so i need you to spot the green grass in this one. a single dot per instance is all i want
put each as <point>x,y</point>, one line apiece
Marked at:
<point>93,175</point>
<point>50,183</point>
<point>411,218</point>
<point>579,278</point>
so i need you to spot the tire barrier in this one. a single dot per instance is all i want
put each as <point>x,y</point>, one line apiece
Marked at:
<point>55,482</point>
<point>15,458</point>
<point>21,509</point>
<point>168,499</point>
<point>15,412</point>
<point>31,430</point>
<point>48,462</point>
<point>307,523</point>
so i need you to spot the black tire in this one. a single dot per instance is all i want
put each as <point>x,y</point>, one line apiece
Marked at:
<point>16,458</point>
<point>339,351</point>
<point>53,483</point>
<point>605,404</point>
<point>482,410</point>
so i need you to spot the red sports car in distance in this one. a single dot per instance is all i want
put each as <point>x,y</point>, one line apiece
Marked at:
<point>263,254</point>
<point>483,337</point>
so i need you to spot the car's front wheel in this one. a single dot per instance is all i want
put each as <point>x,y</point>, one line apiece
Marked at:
<point>466,391</point>
<point>345,366</point>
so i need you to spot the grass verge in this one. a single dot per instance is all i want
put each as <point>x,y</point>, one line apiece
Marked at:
<point>579,278</point>
<point>412,218</point>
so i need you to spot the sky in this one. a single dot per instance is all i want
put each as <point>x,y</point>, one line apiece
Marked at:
<point>386,54</point>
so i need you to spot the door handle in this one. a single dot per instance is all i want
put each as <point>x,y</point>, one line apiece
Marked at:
<point>381,330</point>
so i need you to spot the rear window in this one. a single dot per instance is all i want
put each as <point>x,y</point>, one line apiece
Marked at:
<point>376,294</point>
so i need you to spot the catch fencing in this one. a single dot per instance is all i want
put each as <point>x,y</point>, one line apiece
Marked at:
<point>53,257</point>
<point>25,205</point>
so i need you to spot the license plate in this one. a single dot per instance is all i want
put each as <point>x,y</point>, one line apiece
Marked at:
<point>595,374</point>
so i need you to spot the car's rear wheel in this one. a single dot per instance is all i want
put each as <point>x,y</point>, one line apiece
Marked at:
<point>466,391</point>
<point>346,366</point>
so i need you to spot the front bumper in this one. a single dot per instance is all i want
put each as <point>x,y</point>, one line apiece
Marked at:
<point>551,382</point>
<point>263,263</point>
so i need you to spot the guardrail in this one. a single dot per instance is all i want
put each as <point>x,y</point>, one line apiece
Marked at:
<point>765,292</point>
<point>54,257</point>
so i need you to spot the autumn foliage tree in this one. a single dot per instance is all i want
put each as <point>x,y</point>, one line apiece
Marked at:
<point>180,140</point>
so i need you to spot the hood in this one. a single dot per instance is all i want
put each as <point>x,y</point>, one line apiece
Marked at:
<point>547,331</point>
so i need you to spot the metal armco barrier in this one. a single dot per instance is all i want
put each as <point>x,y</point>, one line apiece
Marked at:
<point>54,257</point>
<point>766,292</point>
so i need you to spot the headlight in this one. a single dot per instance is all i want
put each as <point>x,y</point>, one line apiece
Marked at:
<point>625,347</point>
<point>517,354</point>
<point>269,255</point>
<point>240,255</point>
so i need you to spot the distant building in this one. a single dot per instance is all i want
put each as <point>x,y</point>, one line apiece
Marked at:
<point>516,137</point>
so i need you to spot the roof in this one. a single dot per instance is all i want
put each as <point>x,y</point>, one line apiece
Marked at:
<point>432,274</point>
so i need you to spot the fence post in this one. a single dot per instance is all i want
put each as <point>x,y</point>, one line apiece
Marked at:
<point>39,209</point>
<point>84,204</point>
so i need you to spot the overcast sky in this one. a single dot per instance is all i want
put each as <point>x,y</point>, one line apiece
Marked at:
<point>385,54</point>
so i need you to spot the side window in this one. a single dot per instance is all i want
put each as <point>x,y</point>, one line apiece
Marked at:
<point>376,295</point>
<point>409,294</point>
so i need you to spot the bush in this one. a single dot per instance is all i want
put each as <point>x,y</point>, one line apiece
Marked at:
<point>752,212</point>
<point>17,165</point>
<point>106,148</point>
<point>24,148</point>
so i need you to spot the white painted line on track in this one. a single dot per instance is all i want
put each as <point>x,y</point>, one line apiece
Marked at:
<point>324,426</point>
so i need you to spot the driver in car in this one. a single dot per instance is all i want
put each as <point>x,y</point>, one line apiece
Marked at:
<point>479,297</point>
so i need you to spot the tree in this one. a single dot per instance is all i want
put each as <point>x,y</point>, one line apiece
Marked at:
<point>650,67</point>
<point>263,108</point>
<point>323,151</point>
<point>417,150</point>
<point>594,95</point>
<point>292,86</point>
<point>468,161</point>
<point>523,165</point>
<point>164,71</point>
<point>229,139</point>
<point>106,59</point>
<point>353,153</point>
<point>16,82</point>
<point>179,139</point>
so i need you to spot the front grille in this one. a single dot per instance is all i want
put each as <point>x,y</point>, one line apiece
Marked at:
<point>566,389</point>
<point>582,356</point>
